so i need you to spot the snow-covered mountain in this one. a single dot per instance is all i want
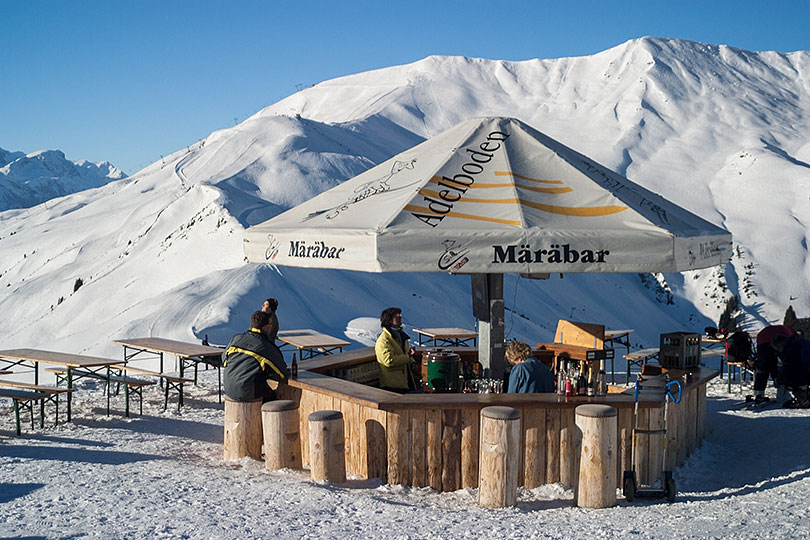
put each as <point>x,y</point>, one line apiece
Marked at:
<point>28,180</point>
<point>720,131</point>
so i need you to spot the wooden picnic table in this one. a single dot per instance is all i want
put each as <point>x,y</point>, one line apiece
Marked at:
<point>622,337</point>
<point>312,342</point>
<point>642,356</point>
<point>188,354</point>
<point>612,337</point>
<point>718,345</point>
<point>453,337</point>
<point>72,362</point>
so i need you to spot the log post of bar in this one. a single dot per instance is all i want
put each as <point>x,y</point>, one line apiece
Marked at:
<point>282,443</point>
<point>243,429</point>
<point>327,459</point>
<point>499,459</point>
<point>597,463</point>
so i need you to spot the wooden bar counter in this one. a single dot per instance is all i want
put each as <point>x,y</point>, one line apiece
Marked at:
<point>432,439</point>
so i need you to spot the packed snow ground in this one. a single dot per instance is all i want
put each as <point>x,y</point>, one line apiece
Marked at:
<point>160,475</point>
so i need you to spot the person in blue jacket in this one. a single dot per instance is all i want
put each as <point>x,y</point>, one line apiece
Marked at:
<point>795,368</point>
<point>529,375</point>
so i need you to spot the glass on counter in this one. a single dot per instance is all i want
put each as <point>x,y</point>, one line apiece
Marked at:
<point>483,386</point>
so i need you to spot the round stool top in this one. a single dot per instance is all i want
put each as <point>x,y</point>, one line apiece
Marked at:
<point>501,413</point>
<point>279,405</point>
<point>323,416</point>
<point>593,410</point>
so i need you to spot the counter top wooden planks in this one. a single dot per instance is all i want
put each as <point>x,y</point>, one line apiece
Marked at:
<point>378,398</point>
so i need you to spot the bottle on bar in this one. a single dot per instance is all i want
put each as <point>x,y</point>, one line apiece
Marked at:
<point>591,381</point>
<point>601,382</point>
<point>294,367</point>
<point>581,382</point>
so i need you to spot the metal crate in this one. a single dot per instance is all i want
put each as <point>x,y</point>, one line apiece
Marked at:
<point>679,350</point>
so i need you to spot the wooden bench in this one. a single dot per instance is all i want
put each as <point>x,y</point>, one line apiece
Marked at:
<point>26,400</point>
<point>52,394</point>
<point>134,386</point>
<point>171,382</point>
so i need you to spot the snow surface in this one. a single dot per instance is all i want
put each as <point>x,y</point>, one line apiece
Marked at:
<point>161,475</point>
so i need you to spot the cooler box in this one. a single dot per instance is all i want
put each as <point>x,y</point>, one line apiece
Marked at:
<point>679,350</point>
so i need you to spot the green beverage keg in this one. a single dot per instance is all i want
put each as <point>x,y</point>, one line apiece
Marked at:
<point>443,371</point>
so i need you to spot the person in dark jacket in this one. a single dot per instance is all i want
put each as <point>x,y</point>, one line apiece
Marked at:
<point>795,369</point>
<point>767,364</point>
<point>529,375</point>
<point>250,360</point>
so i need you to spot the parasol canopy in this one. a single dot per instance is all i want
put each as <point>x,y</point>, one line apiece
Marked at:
<point>494,196</point>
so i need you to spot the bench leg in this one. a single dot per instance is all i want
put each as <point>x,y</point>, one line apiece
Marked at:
<point>126,400</point>
<point>165,395</point>
<point>17,416</point>
<point>70,386</point>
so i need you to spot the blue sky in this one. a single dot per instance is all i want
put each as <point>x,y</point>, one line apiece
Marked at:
<point>129,81</point>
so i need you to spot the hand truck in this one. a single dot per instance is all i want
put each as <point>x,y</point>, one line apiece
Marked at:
<point>630,487</point>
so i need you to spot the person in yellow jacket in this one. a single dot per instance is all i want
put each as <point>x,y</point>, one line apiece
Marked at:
<point>393,353</point>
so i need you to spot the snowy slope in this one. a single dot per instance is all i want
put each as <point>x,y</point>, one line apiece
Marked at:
<point>715,129</point>
<point>28,180</point>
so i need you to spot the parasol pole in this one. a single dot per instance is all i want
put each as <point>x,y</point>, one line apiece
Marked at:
<point>488,308</point>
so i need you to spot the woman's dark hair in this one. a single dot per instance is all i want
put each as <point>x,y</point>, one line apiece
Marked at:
<point>387,316</point>
<point>259,319</point>
<point>273,303</point>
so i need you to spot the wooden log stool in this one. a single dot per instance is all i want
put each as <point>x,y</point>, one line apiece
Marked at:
<point>499,457</point>
<point>327,459</point>
<point>597,463</point>
<point>243,429</point>
<point>282,444</point>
